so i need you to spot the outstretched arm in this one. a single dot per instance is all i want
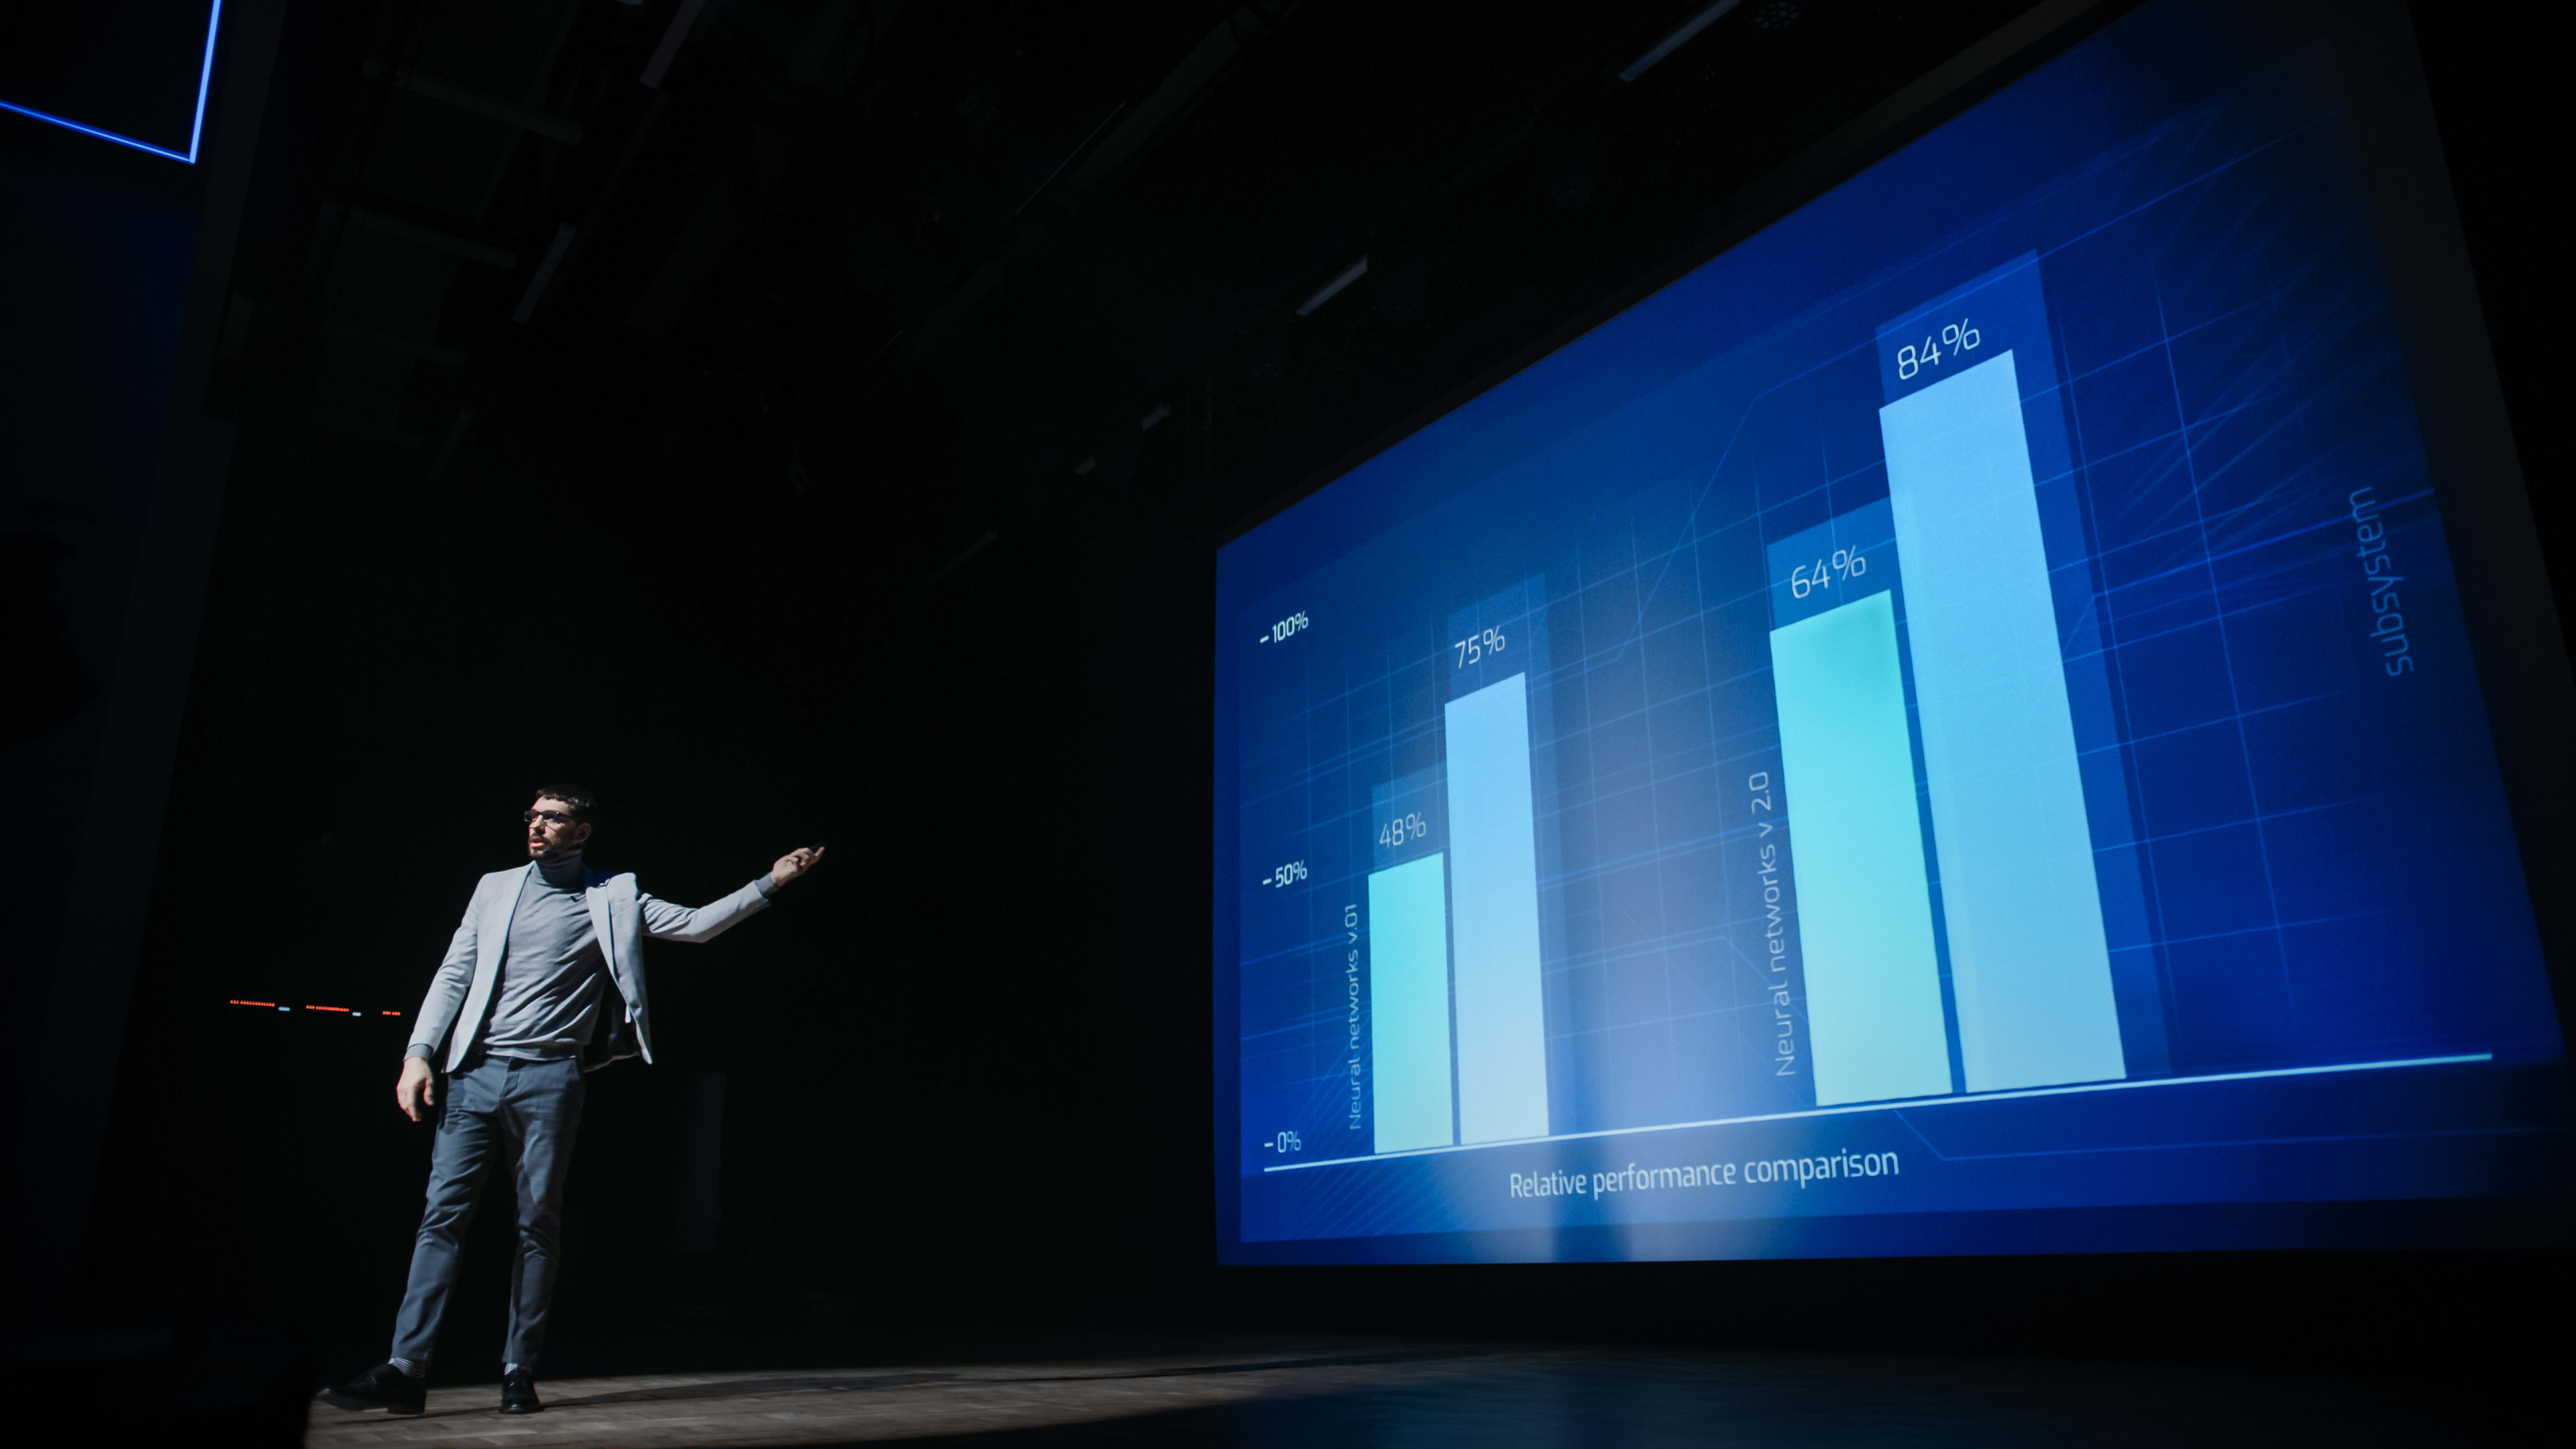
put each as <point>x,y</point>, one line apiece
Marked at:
<point>668,922</point>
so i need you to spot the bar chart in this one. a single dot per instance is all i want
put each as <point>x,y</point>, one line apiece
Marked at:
<point>1456,1021</point>
<point>1938,714</point>
<point>1937,885</point>
<point>1994,820</point>
<point>1939,889</point>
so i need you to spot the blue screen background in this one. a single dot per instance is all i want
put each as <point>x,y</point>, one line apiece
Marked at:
<point>2313,974</point>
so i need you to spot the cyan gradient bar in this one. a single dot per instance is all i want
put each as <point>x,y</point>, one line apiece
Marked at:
<point>1493,882</point>
<point>1856,853</point>
<point>1409,1006</point>
<point>2028,964</point>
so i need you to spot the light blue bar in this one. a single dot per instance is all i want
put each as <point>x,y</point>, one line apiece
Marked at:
<point>2028,965</point>
<point>1856,842</point>
<point>1493,885</point>
<point>1409,1006</point>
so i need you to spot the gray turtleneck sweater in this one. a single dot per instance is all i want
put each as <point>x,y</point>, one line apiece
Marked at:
<point>547,1002</point>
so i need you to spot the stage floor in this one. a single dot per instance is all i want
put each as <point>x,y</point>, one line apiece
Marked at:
<point>1429,1394</point>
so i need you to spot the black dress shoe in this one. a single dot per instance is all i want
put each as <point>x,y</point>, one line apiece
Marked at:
<point>519,1393</point>
<point>382,1387</point>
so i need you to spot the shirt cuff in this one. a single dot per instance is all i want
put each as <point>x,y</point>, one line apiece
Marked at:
<point>764,884</point>
<point>422,1050</point>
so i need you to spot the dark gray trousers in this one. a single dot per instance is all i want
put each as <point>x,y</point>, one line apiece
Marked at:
<point>520,1112</point>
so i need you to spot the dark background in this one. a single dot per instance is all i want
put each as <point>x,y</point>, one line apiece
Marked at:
<point>768,524</point>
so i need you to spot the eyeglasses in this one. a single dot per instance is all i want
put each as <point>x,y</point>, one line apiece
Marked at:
<point>551,817</point>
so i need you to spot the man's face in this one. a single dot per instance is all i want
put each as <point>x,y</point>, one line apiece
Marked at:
<point>552,832</point>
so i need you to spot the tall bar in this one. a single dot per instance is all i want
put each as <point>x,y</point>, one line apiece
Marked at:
<point>2028,963</point>
<point>1493,883</point>
<point>1409,1006</point>
<point>1856,840</point>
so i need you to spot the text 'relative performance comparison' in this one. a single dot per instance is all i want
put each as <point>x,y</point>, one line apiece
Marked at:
<point>1903,723</point>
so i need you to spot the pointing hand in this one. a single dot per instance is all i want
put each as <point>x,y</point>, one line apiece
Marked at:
<point>793,864</point>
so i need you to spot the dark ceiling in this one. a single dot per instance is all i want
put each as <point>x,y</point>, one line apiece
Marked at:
<point>900,269</point>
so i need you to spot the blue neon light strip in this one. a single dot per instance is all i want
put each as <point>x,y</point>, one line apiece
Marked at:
<point>196,128</point>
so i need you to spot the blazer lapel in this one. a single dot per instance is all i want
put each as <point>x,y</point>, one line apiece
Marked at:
<point>494,928</point>
<point>595,896</point>
<point>491,948</point>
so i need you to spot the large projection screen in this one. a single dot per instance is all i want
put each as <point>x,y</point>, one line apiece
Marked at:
<point>1948,728</point>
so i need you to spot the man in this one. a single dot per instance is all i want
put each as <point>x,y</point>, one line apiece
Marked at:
<point>543,982</point>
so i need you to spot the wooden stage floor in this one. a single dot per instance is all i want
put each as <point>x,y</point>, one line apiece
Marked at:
<point>1418,1394</point>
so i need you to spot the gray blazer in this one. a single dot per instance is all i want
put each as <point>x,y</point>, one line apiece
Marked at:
<point>621,915</point>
